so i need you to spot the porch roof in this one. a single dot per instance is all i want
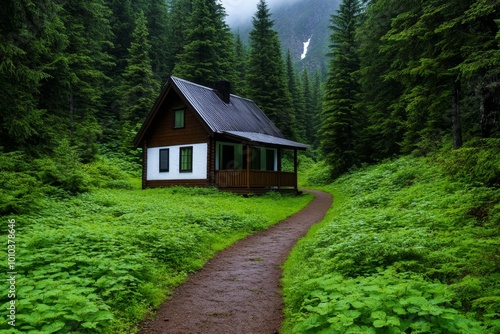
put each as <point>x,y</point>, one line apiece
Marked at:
<point>261,138</point>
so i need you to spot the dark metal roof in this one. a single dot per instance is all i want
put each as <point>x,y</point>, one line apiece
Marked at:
<point>240,118</point>
<point>265,139</point>
<point>239,114</point>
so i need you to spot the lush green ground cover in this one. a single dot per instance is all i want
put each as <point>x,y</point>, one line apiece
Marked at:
<point>99,260</point>
<point>410,246</point>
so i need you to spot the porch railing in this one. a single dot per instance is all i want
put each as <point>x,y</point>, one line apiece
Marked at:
<point>241,179</point>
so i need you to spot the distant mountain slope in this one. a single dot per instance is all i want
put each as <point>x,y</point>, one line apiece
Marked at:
<point>296,23</point>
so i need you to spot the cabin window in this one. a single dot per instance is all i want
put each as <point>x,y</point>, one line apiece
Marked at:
<point>256,158</point>
<point>164,160</point>
<point>186,159</point>
<point>269,159</point>
<point>179,115</point>
<point>228,157</point>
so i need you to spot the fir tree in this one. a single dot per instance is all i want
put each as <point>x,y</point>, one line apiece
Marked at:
<point>208,55</point>
<point>32,42</point>
<point>266,79</point>
<point>340,117</point>
<point>240,61</point>
<point>138,88</point>
<point>89,33</point>
<point>157,18</point>
<point>296,93</point>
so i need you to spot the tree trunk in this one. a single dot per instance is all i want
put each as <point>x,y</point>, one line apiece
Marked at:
<point>456,116</point>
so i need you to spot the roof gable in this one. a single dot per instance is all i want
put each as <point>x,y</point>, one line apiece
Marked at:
<point>240,115</point>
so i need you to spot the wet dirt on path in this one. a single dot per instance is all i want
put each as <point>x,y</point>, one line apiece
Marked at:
<point>238,291</point>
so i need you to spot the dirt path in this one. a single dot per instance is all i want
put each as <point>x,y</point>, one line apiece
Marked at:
<point>238,291</point>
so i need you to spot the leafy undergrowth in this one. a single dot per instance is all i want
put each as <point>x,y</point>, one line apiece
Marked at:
<point>99,261</point>
<point>410,246</point>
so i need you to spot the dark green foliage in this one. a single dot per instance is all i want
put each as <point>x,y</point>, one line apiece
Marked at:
<point>21,189</point>
<point>31,42</point>
<point>299,106</point>
<point>399,251</point>
<point>208,53</point>
<point>341,120</point>
<point>156,14</point>
<point>240,58</point>
<point>476,162</point>
<point>266,78</point>
<point>138,89</point>
<point>99,261</point>
<point>89,33</point>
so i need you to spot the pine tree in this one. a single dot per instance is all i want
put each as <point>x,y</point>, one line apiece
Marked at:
<point>240,65</point>
<point>157,18</point>
<point>316,107</point>
<point>266,79</point>
<point>138,89</point>
<point>380,96</point>
<point>208,55</point>
<point>297,95</point>
<point>340,119</point>
<point>89,32</point>
<point>32,42</point>
<point>177,28</point>
<point>122,25</point>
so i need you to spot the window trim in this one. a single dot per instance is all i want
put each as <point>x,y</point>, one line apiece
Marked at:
<point>183,110</point>
<point>190,169</point>
<point>163,170</point>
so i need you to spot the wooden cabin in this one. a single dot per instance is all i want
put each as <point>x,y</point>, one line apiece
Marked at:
<point>200,136</point>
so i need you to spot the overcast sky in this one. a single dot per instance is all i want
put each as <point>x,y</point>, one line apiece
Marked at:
<point>238,10</point>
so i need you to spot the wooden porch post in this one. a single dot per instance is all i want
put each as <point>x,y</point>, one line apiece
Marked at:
<point>279,168</point>
<point>249,164</point>
<point>295,167</point>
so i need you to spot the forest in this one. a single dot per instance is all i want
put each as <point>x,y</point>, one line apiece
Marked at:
<point>409,83</point>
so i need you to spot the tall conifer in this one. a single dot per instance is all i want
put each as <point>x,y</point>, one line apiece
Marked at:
<point>266,79</point>
<point>208,55</point>
<point>138,88</point>
<point>32,42</point>
<point>89,32</point>
<point>340,118</point>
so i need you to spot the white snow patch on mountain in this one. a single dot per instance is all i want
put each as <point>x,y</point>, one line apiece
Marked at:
<point>306,47</point>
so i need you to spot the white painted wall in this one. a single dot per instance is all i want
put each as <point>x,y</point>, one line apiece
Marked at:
<point>200,152</point>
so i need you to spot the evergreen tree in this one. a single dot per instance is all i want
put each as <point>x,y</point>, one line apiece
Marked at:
<point>157,18</point>
<point>89,33</point>
<point>340,119</point>
<point>436,46</point>
<point>266,79</point>
<point>380,96</point>
<point>316,107</point>
<point>122,25</point>
<point>32,42</point>
<point>138,89</point>
<point>240,66</point>
<point>311,91</point>
<point>208,55</point>
<point>177,27</point>
<point>297,95</point>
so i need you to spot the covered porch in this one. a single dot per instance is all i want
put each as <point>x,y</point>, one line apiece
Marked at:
<point>253,163</point>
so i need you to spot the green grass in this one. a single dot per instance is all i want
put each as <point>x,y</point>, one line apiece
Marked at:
<point>99,261</point>
<point>408,247</point>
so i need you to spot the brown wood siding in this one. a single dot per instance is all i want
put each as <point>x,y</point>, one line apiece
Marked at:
<point>211,162</point>
<point>144,164</point>
<point>163,132</point>
<point>171,183</point>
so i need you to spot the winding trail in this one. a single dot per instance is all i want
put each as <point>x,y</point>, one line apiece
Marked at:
<point>238,291</point>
